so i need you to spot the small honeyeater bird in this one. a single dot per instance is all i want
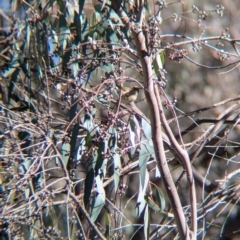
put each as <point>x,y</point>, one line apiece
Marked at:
<point>129,95</point>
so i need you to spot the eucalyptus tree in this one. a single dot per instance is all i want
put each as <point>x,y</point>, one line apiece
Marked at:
<point>92,139</point>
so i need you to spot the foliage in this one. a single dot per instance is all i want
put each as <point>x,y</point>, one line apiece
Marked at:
<point>69,145</point>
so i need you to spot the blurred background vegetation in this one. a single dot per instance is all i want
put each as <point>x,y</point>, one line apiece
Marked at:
<point>65,171</point>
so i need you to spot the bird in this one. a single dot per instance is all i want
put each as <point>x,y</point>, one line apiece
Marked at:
<point>129,95</point>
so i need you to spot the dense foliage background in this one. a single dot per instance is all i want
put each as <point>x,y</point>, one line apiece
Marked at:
<point>75,162</point>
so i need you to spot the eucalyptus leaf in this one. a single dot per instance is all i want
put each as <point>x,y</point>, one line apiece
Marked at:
<point>141,202</point>
<point>99,200</point>
<point>69,14</point>
<point>74,69</point>
<point>147,129</point>
<point>52,42</point>
<point>157,172</point>
<point>146,223</point>
<point>108,224</point>
<point>88,123</point>
<point>132,136</point>
<point>95,19</point>
<point>117,168</point>
<point>160,199</point>
<point>112,143</point>
<point>88,187</point>
<point>81,149</point>
<point>101,161</point>
<point>64,36</point>
<point>66,147</point>
<point>39,71</point>
<point>143,159</point>
<point>28,36</point>
<point>156,208</point>
<point>50,215</point>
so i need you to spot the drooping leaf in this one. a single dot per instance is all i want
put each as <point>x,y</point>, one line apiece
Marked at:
<point>160,199</point>
<point>146,223</point>
<point>137,128</point>
<point>153,205</point>
<point>81,4</point>
<point>158,64</point>
<point>117,168</point>
<point>65,153</point>
<point>73,147</point>
<point>88,187</point>
<point>132,136</point>
<point>99,200</point>
<point>147,129</point>
<point>104,167</point>
<point>162,55</point>
<point>108,225</point>
<point>96,18</point>
<point>150,150</point>
<point>143,159</point>
<point>64,36</point>
<point>88,140</point>
<point>141,202</point>
<point>156,208</point>
<point>50,215</point>
<point>81,149</point>
<point>112,143</point>
<point>88,123</point>
<point>102,148</point>
<point>39,71</point>
<point>157,172</point>
<point>28,35</point>
<point>52,42</point>
<point>69,14</point>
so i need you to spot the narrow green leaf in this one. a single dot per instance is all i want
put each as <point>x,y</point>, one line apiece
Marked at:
<point>69,14</point>
<point>99,200</point>
<point>156,208</point>
<point>98,204</point>
<point>146,223</point>
<point>102,148</point>
<point>65,153</point>
<point>117,168</point>
<point>28,36</point>
<point>152,204</point>
<point>132,136</point>
<point>143,159</point>
<point>88,187</point>
<point>162,55</point>
<point>141,202</point>
<point>39,71</point>
<point>95,19</point>
<point>157,172</point>
<point>147,129</point>
<point>64,36</point>
<point>81,150</point>
<point>52,42</point>
<point>88,123</point>
<point>160,199</point>
<point>88,140</point>
<point>108,225</point>
<point>112,143</point>
<point>50,215</point>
